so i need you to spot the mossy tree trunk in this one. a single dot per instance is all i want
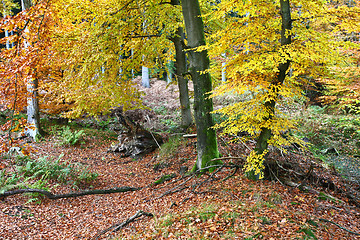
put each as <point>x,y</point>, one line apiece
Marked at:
<point>199,64</point>
<point>265,135</point>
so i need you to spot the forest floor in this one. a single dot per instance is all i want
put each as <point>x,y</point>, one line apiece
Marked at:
<point>221,208</point>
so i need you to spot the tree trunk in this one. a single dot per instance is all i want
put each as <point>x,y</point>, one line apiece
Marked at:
<point>265,135</point>
<point>180,55</point>
<point>199,64</point>
<point>145,77</point>
<point>33,116</point>
<point>186,118</point>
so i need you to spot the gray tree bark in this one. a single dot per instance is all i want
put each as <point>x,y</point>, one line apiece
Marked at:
<point>180,55</point>
<point>207,147</point>
<point>145,79</point>
<point>33,116</point>
<point>186,117</point>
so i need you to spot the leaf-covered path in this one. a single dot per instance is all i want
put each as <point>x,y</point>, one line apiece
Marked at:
<point>235,209</point>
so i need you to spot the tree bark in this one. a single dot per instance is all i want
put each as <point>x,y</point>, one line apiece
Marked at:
<point>180,55</point>
<point>265,135</point>
<point>145,82</point>
<point>199,65</point>
<point>137,140</point>
<point>33,115</point>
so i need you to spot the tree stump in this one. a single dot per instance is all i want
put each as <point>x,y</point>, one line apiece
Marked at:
<point>136,140</point>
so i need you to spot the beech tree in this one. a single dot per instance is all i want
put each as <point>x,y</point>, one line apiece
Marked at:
<point>207,148</point>
<point>181,69</point>
<point>263,42</point>
<point>111,29</point>
<point>33,111</point>
<point>22,65</point>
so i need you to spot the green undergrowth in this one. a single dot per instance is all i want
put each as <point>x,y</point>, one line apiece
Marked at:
<point>169,121</point>
<point>73,133</point>
<point>216,220</point>
<point>333,138</point>
<point>68,137</point>
<point>42,173</point>
<point>172,146</point>
<point>325,130</point>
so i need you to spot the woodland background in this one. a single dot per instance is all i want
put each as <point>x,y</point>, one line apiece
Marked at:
<point>179,119</point>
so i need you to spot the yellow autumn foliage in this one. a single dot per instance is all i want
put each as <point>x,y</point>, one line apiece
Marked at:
<point>250,36</point>
<point>93,42</point>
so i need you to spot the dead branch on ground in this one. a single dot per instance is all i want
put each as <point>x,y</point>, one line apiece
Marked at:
<point>118,226</point>
<point>339,226</point>
<point>67,195</point>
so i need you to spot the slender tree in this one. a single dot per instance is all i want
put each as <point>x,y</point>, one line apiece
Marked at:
<point>181,69</point>
<point>263,42</point>
<point>33,111</point>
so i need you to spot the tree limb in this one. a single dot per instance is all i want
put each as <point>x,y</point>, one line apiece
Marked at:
<point>68,195</point>
<point>325,220</point>
<point>118,226</point>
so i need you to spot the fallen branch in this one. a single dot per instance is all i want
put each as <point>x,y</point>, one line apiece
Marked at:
<point>68,195</point>
<point>325,220</point>
<point>118,226</point>
<point>190,136</point>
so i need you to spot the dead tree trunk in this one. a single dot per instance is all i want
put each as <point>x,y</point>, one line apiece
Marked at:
<point>136,140</point>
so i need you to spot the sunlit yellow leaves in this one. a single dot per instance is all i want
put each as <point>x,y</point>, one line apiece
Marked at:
<point>255,163</point>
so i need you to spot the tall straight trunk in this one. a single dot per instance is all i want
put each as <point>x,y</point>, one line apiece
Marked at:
<point>145,82</point>
<point>33,116</point>
<point>265,135</point>
<point>186,118</point>
<point>181,69</point>
<point>199,64</point>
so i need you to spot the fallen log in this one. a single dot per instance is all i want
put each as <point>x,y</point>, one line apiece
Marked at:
<point>67,195</point>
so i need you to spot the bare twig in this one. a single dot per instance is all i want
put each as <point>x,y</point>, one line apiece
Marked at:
<point>275,176</point>
<point>118,226</point>
<point>189,136</point>
<point>196,186</point>
<point>231,175</point>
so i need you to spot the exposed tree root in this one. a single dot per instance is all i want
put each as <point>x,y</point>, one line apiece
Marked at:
<point>136,140</point>
<point>339,226</point>
<point>68,195</point>
<point>312,173</point>
<point>118,226</point>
